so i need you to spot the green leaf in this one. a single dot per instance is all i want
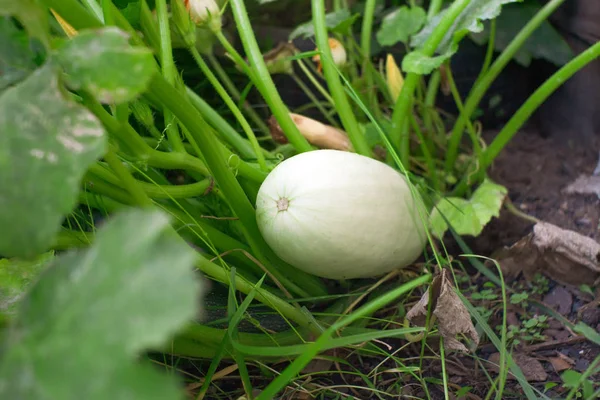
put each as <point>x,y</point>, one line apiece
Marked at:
<point>544,43</point>
<point>15,277</point>
<point>17,55</point>
<point>81,328</point>
<point>47,144</point>
<point>468,217</point>
<point>335,21</point>
<point>103,62</point>
<point>400,24</point>
<point>419,63</point>
<point>468,21</point>
<point>31,14</point>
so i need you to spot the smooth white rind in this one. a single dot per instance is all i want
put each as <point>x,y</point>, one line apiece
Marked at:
<point>349,216</point>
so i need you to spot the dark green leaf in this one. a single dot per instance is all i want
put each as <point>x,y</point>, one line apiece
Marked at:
<point>15,277</point>
<point>80,329</point>
<point>400,24</point>
<point>419,63</point>
<point>46,145</point>
<point>105,64</point>
<point>468,21</point>
<point>31,14</point>
<point>468,217</point>
<point>333,20</point>
<point>545,42</point>
<point>17,56</point>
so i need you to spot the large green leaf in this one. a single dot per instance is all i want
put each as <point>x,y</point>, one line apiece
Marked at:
<point>79,331</point>
<point>31,14</point>
<point>400,24</point>
<point>47,144</point>
<point>337,21</point>
<point>103,62</point>
<point>15,277</point>
<point>469,20</point>
<point>545,42</point>
<point>468,217</point>
<point>17,55</point>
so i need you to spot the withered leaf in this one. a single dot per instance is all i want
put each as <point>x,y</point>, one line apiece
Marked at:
<point>564,255</point>
<point>533,370</point>
<point>452,316</point>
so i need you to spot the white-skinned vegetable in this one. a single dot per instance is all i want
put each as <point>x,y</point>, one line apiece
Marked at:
<point>340,215</point>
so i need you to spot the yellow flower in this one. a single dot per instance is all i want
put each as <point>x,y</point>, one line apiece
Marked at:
<point>394,77</point>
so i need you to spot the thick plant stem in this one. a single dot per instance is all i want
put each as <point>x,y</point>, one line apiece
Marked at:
<point>168,71</point>
<point>434,8</point>
<point>484,83</point>
<point>404,103</point>
<point>129,182</point>
<point>262,79</point>
<point>529,107</point>
<point>333,81</point>
<point>231,189</point>
<point>230,135</point>
<point>232,106</point>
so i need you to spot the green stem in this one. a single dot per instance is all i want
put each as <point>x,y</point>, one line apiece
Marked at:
<point>489,54</point>
<point>429,104</point>
<point>365,43</point>
<point>143,151</point>
<point>76,14</point>
<point>262,295</point>
<point>480,88</point>
<point>156,191</point>
<point>95,8</point>
<point>333,82</point>
<point>232,106</point>
<point>461,108</point>
<point>240,144</point>
<point>231,189</point>
<point>528,108</point>
<point>315,82</point>
<point>251,112</point>
<point>404,102</point>
<point>434,8</point>
<point>314,99</point>
<point>168,70</point>
<point>262,79</point>
<point>129,182</point>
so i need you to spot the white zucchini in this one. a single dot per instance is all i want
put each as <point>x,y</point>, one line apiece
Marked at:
<point>340,215</point>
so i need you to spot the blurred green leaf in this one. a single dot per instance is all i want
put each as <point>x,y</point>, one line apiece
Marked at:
<point>337,21</point>
<point>470,20</point>
<point>93,311</point>
<point>31,14</point>
<point>468,217</point>
<point>103,62</point>
<point>400,24</point>
<point>17,55</point>
<point>46,145</point>
<point>544,43</point>
<point>419,63</point>
<point>15,277</point>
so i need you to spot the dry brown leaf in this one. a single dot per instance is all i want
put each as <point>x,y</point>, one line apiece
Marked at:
<point>559,364</point>
<point>564,255</point>
<point>532,368</point>
<point>317,133</point>
<point>452,316</point>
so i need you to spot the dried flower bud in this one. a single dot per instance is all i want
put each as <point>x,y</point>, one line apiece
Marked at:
<point>204,12</point>
<point>278,59</point>
<point>317,133</point>
<point>338,53</point>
